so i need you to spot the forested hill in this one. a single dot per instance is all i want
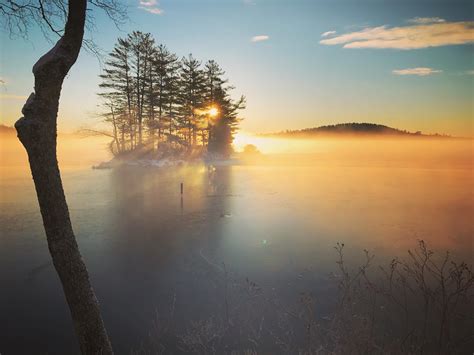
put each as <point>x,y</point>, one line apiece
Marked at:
<point>347,129</point>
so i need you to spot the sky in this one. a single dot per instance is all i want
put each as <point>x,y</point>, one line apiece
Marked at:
<point>408,64</point>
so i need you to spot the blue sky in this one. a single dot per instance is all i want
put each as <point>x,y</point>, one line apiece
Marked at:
<point>290,78</point>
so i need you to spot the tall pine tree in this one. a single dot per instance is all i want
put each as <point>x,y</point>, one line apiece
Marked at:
<point>192,97</point>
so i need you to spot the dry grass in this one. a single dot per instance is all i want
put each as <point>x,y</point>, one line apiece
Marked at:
<point>421,304</point>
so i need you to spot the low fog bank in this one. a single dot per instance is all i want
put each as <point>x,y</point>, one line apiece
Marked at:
<point>74,151</point>
<point>79,152</point>
<point>409,152</point>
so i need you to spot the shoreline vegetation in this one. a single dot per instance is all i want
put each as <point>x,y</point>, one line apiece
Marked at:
<point>418,304</point>
<point>149,160</point>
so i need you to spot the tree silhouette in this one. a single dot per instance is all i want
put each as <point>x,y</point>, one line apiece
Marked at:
<point>37,132</point>
<point>184,104</point>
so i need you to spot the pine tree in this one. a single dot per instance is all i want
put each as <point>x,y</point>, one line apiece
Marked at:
<point>118,96</point>
<point>163,87</point>
<point>192,97</point>
<point>173,103</point>
<point>142,45</point>
<point>214,80</point>
<point>222,130</point>
<point>222,127</point>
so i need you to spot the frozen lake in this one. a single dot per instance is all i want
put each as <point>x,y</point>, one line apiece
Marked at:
<point>145,245</point>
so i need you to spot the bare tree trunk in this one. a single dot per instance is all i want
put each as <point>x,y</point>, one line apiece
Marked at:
<point>37,132</point>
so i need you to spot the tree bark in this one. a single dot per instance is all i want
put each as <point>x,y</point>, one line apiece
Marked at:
<point>37,132</point>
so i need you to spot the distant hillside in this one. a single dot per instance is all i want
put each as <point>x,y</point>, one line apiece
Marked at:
<point>349,129</point>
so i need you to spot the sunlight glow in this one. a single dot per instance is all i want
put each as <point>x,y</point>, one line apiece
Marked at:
<point>272,145</point>
<point>213,112</point>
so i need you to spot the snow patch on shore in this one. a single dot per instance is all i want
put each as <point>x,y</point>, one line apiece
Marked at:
<point>164,163</point>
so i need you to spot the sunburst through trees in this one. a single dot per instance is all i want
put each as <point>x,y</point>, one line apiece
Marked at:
<point>156,102</point>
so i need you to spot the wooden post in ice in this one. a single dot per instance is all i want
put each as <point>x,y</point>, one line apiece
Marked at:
<point>182,188</point>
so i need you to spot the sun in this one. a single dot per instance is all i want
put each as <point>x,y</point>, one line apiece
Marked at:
<point>213,112</point>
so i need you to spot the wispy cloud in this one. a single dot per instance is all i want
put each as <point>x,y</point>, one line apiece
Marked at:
<point>426,20</point>
<point>12,97</point>
<point>328,33</point>
<point>470,72</point>
<point>422,71</point>
<point>431,34</point>
<point>260,38</point>
<point>249,2</point>
<point>150,6</point>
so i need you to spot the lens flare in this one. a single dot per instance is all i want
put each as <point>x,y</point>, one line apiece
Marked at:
<point>213,112</point>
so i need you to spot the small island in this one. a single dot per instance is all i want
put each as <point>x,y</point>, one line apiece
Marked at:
<point>161,110</point>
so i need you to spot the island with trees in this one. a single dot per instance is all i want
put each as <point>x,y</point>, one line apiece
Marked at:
<point>359,129</point>
<point>159,106</point>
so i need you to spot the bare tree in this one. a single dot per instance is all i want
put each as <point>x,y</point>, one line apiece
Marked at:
<point>37,132</point>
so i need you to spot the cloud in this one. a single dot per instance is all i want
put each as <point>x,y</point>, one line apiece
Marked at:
<point>422,71</point>
<point>407,37</point>
<point>152,10</point>
<point>148,3</point>
<point>150,6</point>
<point>426,20</point>
<point>260,38</point>
<point>328,33</point>
<point>249,2</point>
<point>470,72</point>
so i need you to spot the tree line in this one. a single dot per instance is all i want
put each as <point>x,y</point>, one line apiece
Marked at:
<point>154,100</point>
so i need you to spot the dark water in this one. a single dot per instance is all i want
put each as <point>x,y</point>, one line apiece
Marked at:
<point>146,247</point>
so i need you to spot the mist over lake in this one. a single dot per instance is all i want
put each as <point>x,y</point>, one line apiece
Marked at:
<point>273,219</point>
<point>239,177</point>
